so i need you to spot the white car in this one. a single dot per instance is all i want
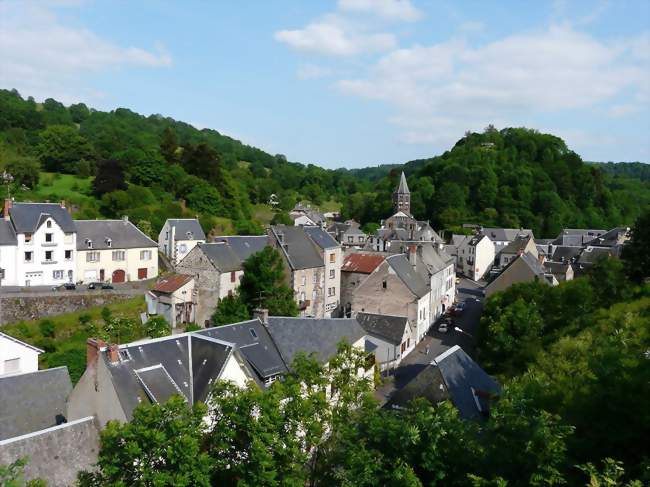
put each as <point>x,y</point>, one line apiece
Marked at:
<point>443,328</point>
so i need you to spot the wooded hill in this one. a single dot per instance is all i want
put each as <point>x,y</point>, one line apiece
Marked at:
<point>113,163</point>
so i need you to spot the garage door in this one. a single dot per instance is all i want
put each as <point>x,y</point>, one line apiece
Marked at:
<point>119,276</point>
<point>90,276</point>
<point>142,273</point>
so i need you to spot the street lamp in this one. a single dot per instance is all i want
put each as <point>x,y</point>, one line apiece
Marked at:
<point>460,330</point>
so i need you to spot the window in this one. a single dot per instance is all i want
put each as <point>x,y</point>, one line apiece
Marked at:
<point>119,255</point>
<point>49,224</point>
<point>145,255</point>
<point>332,273</point>
<point>253,334</point>
<point>142,273</point>
<point>109,242</point>
<point>361,239</point>
<point>92,257</point>
<point>58,274</point>
<point>48,255</point>
<point>182,248</point>
<point>28,238</point>
<point>89,243</point>
<point>28,256</point>
<point>233,276</point>
<point>12,365</point>
<point>350,239</point>
<point>304,280</point>
<point>68,254</point>
<point>332,258</point>
<point>48,237</point>
<point>331,291</point>
<point>384,284</point>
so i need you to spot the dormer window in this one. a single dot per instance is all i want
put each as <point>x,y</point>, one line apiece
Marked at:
<point>190,235</point>
<point>49,224</point>
<point>109,242</point>
<point>89,243</point>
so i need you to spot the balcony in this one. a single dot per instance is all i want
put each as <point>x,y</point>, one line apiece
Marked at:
<point>48,262</point>
<point>49,244</point>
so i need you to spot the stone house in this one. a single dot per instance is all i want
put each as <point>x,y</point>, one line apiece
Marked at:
<point>332,256</point>
<point>520,245</point>
<point>174,299</point>
<point>356,267</point>
<point>524,268</point>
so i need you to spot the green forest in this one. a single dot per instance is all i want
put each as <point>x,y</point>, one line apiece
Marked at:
<point>109,164</point>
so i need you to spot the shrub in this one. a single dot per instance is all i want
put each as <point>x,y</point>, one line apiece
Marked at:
<point>192,327</point>
<point>156,327</point>
<point>47,328</point>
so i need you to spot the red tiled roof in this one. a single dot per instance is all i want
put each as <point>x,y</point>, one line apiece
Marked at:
<point>171,283</point>
<point>364,263</point>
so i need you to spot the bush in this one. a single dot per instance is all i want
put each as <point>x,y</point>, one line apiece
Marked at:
<point>74,359</point>
<point>107,314</point>
<point>157,327</point>
<point>46,344</point>
<point>192,327</point>
<point>47,328</point>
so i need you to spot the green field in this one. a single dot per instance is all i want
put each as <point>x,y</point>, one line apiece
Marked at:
<point>64,337</point>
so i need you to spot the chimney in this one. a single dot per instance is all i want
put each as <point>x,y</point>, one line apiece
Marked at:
<point>63,204</point>
<point>413,249</point>
<point>92,350</point>
<point>113,354</point>
<point>8,205</point>
<point>125,218</point>
<point>262,314</point>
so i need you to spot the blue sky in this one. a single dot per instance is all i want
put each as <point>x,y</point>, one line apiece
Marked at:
<point>347,83</point>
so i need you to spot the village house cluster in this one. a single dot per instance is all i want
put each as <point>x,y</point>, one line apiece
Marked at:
<point>388,293</point>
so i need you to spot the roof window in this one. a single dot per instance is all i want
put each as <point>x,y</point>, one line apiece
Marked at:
<point>253,334</point>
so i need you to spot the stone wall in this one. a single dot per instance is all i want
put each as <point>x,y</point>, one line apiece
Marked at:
<point>33,306</point>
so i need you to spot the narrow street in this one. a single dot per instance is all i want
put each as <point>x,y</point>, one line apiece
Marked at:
<point>436,343</point>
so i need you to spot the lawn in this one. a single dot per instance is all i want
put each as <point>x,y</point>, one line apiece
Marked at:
<point>263,214</point>
<point>55,187</point>
<point>64,337</point>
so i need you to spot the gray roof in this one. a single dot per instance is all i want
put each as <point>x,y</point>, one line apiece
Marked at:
<point>299,250</point>
<point>517,245</point>
<point>591,254</point>
<point>122,234</point>
<point>27,217</point>
<point>403,187</point>
<point>33,401</point>
<point>154,370</point>
<point>565,253</point>
<point>184,225</point>
<point>505,234</point>
<point>523,268</point>
<point>612,237</point>
<point>55,454</point>
<point>254,343</point>
<point>221,256</point>
<point>321,238</point>
<point>391,328</point>
<point>413,279</point>
<point>452,375</point>
<point>245,246</point>
<point>435,259</point>
<point>312,335</point>
<point>577,236</point>
<point>7,233</point>
<point>556,267</point>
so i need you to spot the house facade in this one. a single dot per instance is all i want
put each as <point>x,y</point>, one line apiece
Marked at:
<point>174,299</point>
<point>17,357</point>
<point>178,237</point>
<point>392,337</point>
<point>45,244</point>
<point>475,256</point>
<point>114,251</point>
<point>521,245</point>
<point>332,255</point>
<point>357,266</point>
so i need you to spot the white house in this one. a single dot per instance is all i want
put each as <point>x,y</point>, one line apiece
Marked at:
<point>44,252</point>
<point>475,256</point>
<point>115,251</point>
<point>392,337</point>
<point>173,298</point>
<point>8,253</point>
<point>17,357</point>
<point>178,236</point>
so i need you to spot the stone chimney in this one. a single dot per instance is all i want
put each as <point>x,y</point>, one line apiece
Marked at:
<point>113,354</point>
<point>8,205</point>
<point>413,252</point>
<point>93,345</point>
<point>262,314</point>
<point>63,204</point>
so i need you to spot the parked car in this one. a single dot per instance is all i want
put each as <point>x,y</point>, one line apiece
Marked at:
<point>68,286</point>
<point>443,327</point>
<point>107,285</point>
<point>100,285</point>
<point>458,309</point>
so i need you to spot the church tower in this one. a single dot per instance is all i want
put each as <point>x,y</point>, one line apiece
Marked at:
<point>402,196</point>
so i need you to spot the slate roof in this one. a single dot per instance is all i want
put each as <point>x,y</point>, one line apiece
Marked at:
<point>254,343</point>
<point>362,263</point>
<point>297,247</point>
<point>312,335</point>
<point>565,252</point>
<point>221,256</point>
<point>611,238</point>
<point>184,225</point>
<point>452,375</point>
<point>171,283</point>
<point>505,234</point>
<point>27,217</point>
<point>523,268</point>
<point>403,187</point>
<point>591,254</point>
<point>390,328</point>
<point>33,401</point>
<point>7,233</point>
<point>122,234</point>
<point>244,245</point>
<point>557,267</point>
<point>517,245</point>
<point>321,238</point>
<point>154,370</point>
<point>577,236</point>
<point>415,281</point>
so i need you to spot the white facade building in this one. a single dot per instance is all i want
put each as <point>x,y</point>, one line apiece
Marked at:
<point>17,357</point>
<point>178,236</point>
<point>475,256</point>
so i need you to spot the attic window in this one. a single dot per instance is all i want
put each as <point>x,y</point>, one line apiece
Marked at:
<point>89,243</point>
<point>384,284</point>
<point>190,235</point>
<point>109,242</point>
<point>125,355</point>
<point>49,224</point>
<point>253,334</point>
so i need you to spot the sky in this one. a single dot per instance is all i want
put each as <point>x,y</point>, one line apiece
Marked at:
<point>347,83</point>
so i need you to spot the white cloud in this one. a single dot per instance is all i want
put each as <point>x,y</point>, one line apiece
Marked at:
<point>389,9</point>
<point>44,58</point>
<point>441,90</point>
<point>336,37</point>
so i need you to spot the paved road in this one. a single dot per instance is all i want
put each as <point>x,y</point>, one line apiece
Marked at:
<point>133,288</point>
<point>436,343</point>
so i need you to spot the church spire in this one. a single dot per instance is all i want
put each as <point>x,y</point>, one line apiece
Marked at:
<point>402,196</point>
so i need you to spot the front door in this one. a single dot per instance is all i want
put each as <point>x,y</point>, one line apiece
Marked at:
<point>101,275</point>
<point>119,276</point>
<point>142,273</point>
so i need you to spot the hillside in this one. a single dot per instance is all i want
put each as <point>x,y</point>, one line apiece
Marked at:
<point>108,164</point>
